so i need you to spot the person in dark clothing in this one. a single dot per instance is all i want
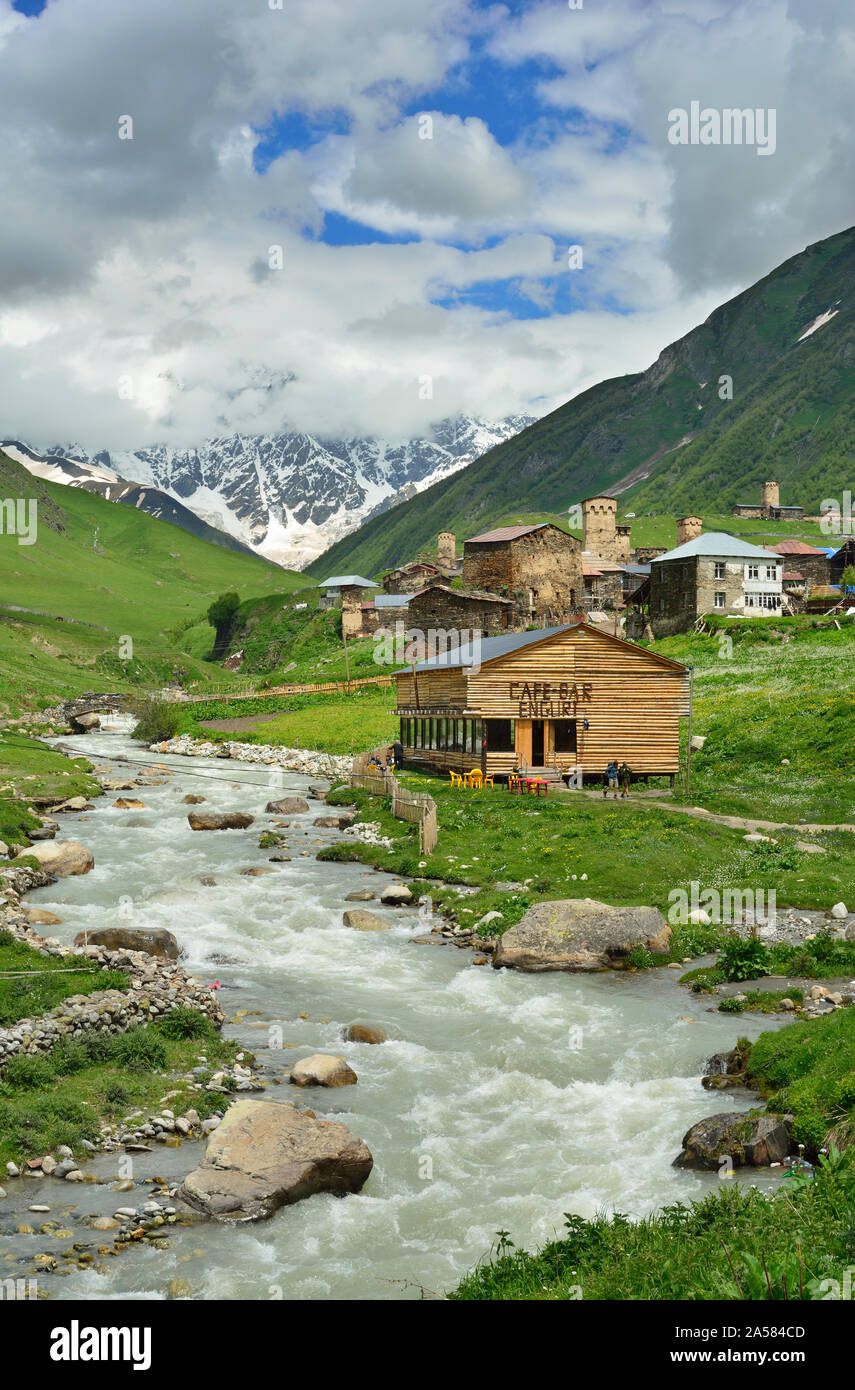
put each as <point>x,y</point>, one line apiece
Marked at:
<point>610,781</point>
<point>624,777</point>
<point>397,754</point>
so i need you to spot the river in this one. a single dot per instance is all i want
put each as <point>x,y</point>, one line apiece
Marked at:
<point>501,1101</point>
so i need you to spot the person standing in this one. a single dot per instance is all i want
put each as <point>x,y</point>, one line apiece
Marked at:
<point>625,777</point>
<point>611,779</point>
<point>397,754</point>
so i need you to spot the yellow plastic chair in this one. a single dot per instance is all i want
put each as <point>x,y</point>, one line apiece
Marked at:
<point>456,779</point>
<point>475,777</point>
<point>488,780</point>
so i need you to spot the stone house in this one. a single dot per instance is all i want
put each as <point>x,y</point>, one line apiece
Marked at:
<point>841,560</point>
<point>805,560</point>
<point>769,507</point>
<point>538,567</point>
<point>408,579</point>
<point>439,608</point>
<point>714,573</point>
<point>346,591</point>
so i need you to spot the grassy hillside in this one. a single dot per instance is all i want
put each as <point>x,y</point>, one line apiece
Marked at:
<point>97,573</point>
<point>791,417</point>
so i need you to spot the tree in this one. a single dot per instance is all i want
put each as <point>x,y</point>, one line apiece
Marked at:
<point>847,579</point>
<point>221,616</point>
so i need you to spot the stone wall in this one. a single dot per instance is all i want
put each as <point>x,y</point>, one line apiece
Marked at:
<point>156,986</point>
<point>303,760</point>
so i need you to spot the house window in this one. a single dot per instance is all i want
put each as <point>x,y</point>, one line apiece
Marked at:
<point>662,605</point>
<point>752,571</point>
<point>770,572</point>
<point>565,735</point>
<point>500,735</point>
<point>721,600</point>
<point>719,569</point>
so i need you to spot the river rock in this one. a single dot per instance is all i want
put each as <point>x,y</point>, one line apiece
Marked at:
<point>191,799</point>
<point>361,920</point>
<point>84,722</point>
<point>263,1156</point>
<point>287,806</point>
<point>322,1070</point>
<point>332,822</point>
<point>396,895</point>
<point>127,803</point>
<point>154,941</point>
<point>363,1033</point>
<point>579,934</point>
<point>219,820</point>
<point>360,895</point>
<point>840,911</point>
<point>752,1139</point>
<point>62,857</point>
<point>40,917</point>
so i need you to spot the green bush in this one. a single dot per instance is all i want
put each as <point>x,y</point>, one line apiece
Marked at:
<point>157,719</point>
<point>744,960</point>
<point>139,1050</point>
<point>31,1073</point>
<point>183,1022</point>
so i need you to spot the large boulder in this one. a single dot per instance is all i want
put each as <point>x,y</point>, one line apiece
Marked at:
<point>752,1139</point>
<point>82,723</point>
<point>580,934</point>
<point>287,806</point>
<point>332,822</point>
<point>62,857</point>
<point>361,920</point>
<point>154,941</point>
<point>322,1070</point>
<point>396,895</point>
<point>264,1155</point>
<point>364,1033</point>
<point>40,917</point>
<point>219,820</point>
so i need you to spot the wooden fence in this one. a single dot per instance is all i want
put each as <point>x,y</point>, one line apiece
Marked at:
<point>252,692</point>
<point>416,807</point>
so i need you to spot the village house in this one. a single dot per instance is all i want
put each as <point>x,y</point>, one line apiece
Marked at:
<point>441,608</point>
<point>408,579</point>
<point>769,507</point>
<point>841,560</point>
<point>552,702</point>
<point>347,591</point>
<point>538,567</point>
<point>713,573</point>
<point>803,561</point>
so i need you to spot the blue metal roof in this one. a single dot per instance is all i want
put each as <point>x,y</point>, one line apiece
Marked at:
<point>347,581</point>
<point>490,648</point>
<point>717,543</point>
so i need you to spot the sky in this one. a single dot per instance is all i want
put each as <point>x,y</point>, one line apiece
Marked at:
<point>358,217</point>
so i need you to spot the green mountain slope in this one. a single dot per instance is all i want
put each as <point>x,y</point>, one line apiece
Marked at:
<point>665,438</point>
<point>96,573</point>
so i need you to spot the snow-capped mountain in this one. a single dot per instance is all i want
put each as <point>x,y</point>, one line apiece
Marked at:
<point>288,496</point>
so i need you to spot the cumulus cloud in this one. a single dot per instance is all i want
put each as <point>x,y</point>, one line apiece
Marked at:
<point>164,287</point>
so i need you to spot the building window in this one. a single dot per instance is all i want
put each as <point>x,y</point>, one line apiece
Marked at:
<point>500,735</point>
<point>662,605</point>
<point>752,571</point>
<point>565,735</point>
<point>721,600</point>
<point>719,569</point>
<point>770,572</point>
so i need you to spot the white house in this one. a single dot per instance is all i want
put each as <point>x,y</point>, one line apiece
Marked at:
<point>713,573</point>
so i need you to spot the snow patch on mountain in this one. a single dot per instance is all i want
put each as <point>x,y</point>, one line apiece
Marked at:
<point>291,496</point>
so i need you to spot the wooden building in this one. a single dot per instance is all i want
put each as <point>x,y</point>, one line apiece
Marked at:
<point>553,701</point>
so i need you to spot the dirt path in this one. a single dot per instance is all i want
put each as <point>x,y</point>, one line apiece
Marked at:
<point>237,726</point>
<point>737,822</point>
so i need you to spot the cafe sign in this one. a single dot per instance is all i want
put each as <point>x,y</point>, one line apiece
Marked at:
<point>548,699</point>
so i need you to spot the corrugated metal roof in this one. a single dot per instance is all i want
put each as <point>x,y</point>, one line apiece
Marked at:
<point>506,533</point>
<point>392,600</point>
<point>714,543</point>
<point>347,581</point>
<point>490,648</point>
<point>479,595</point>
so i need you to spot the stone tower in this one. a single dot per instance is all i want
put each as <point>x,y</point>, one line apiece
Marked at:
<point>688,527</point>
<point>446,551</point>
<point>622,544</point>
<point>771,495</point>
<point>598,526</point>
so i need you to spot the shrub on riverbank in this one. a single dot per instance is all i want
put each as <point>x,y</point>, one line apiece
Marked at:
<point>710,1249</point>
<point>808,1070</point>
<point>157,720</point>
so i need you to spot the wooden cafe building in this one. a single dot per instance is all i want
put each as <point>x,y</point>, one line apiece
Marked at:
<point>548,702</point>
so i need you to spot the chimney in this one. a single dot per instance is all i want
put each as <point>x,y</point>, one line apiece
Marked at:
<point>771,495</point>
<point>599,533</point>
<point>446,549</point>
<point>688,527</point>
